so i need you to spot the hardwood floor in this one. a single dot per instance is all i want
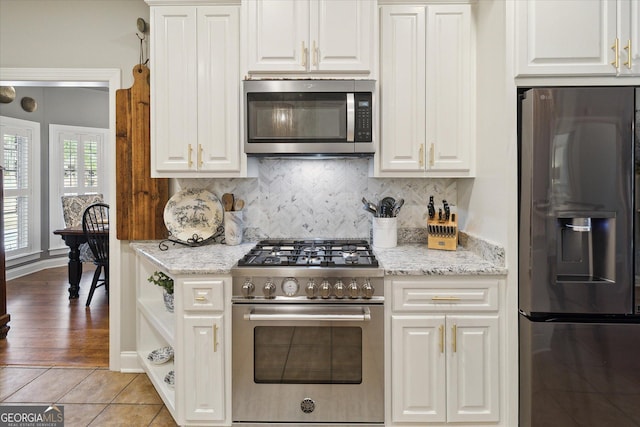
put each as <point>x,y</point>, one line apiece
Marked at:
<point>48,329</point>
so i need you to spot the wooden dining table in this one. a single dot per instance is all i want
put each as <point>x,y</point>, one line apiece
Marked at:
<point>73,237</point>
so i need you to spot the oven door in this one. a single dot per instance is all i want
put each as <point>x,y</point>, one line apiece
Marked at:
<point>308,363</point>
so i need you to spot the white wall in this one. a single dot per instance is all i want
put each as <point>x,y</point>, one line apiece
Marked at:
<point>491,198</point>
<point>485,197</point>
<point>71,34</point>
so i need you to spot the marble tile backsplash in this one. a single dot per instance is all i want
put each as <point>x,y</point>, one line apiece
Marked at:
<point>323,198</point>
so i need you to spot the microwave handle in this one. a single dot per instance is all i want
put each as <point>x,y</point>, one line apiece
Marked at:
<point>351,116</point>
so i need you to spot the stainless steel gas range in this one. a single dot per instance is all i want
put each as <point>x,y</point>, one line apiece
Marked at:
<point>308,335</point>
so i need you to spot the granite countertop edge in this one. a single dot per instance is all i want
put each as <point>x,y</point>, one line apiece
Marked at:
<point>407,259</point>
<point>215,258</point>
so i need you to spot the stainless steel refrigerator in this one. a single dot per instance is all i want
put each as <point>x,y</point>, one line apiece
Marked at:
<point>579,295</point>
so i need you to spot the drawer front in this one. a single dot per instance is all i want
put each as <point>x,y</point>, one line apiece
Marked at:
<point>445,295</point>
<point>203,295</point>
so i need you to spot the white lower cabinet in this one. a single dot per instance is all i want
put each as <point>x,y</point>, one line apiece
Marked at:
<point>445,351</point>
<point>198,332</point>
<point>204,374</point>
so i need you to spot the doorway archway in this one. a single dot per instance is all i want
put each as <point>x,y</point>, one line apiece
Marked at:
<point>79,77</point>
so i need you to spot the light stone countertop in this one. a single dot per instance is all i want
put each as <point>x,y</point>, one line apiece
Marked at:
<point>213,258</point>
<point>405,259</point>
<point>415,259</point>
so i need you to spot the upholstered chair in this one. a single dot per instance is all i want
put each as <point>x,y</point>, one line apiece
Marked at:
<point>72,210</point>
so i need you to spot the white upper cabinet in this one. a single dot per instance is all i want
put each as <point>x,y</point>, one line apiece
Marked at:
<point>174,124</point>
<point>402,86</point>
<point>574,38</point>
<point>629,37</point>
<point>195,91</point>
<point>450,89</point>
<point>309,36</point>
<point>427,91</point>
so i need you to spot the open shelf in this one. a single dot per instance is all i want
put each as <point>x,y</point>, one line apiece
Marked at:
<point>156,374</point>
<point>159,318</point>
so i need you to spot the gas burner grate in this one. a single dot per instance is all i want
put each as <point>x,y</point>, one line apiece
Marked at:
<point>311,253</point>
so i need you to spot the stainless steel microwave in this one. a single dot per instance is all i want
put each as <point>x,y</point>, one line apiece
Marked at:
<point>309,117</point>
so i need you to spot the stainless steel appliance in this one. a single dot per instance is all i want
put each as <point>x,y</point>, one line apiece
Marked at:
<point>308,335</point>
<point>578,258</point>
<point>304,117</point>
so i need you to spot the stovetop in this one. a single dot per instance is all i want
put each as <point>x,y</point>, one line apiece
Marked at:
<point>310,253</point>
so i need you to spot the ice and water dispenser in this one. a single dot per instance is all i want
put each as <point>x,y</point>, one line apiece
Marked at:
<point>585,249</point>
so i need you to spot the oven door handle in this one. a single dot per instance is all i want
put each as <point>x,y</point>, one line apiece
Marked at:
<point>363,316</point>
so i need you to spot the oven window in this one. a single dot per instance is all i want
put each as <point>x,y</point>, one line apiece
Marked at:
<point>307,355</point>
<point>297,116</point>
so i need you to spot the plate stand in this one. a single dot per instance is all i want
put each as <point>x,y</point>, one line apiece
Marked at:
<point>194,241</point>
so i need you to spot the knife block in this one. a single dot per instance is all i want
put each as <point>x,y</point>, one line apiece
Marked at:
<point>443,234</point>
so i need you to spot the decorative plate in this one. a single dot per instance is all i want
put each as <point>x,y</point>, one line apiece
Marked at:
<point>169,378</point>
<point>193,215</point>
<point>160,355</point>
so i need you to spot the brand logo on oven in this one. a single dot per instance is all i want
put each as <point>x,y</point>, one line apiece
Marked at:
<point>307,405</point>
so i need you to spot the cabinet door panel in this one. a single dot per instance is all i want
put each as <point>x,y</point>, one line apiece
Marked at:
<point>174,116</point>
<point>402,82</point>
<point>628,20</point>
<point>418,369</point>
<point>565,37</point>
<point>340,35</point>
<point>473,372</point>
<point>450,96</point>
<point>204,368</point>
<point>219,89</point>
<point>277,30</point>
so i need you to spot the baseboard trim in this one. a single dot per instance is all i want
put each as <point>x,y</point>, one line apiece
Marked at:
<point>129,362</point>
<point>23,270</point>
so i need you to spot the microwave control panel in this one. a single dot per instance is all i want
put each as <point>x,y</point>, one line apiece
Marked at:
<point>363,125</point>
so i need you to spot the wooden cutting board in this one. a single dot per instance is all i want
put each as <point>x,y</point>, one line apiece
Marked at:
<point>140,199</point>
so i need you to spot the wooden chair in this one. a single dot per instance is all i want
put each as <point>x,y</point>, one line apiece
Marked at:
<point>95,224</point>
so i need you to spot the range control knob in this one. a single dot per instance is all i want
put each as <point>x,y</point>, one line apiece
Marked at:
<point>269,290</point>
<point>338,289</point>
<point>354,289</point>
<point>312,289</point>
<point>367,289</point>
<point>247,289</point>
<point>325,289</point>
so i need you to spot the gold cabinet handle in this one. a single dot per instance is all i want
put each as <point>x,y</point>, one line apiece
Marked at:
<point>189,156</point>
<point>304,55</point>
<point>431,154</point>
<point>200,155</point>
<point>215,338</point>
<point>616,50</point>
<point>315,54</point>
<point>421,155</point>
<point>628,49</point>
<point>441,338</point>
<point>201,299</point>
<point>454,338</point>
<point>439,298</point>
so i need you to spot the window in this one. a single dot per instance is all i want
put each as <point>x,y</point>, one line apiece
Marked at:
<point>20,156</point>
<point>77,165</point>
